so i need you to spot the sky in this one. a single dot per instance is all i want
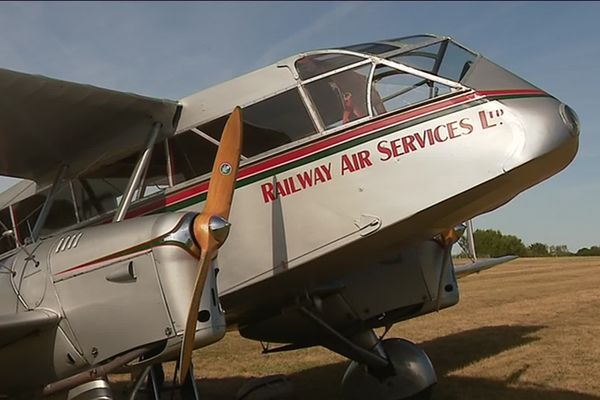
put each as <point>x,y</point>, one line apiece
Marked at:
<point>173,49</point>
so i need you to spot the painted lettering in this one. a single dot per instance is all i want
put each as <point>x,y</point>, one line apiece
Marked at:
<point>347,165</point>
<point>326,170</point>
<point>436,134</point>
<point>319,176</point>
<point>364,159</point>
<point>420,139</point>
<point>381,148</point>
<point>396,147</point>
<point>267,192</point>
<point>485,124</point>
<point>451,127</point>
<point>305,179</point>
<point>430,137</point>
<point>407,144</point>
<point>280,190</point>
<point>466,125</point>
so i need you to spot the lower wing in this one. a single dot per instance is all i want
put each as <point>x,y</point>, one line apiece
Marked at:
<point>463,270</point>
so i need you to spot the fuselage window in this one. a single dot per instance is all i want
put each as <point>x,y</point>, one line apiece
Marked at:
<point>268,124</point>
<point>61,215</point>
<point>7,238</point>
<point>274,122</point>
<point>394,89</point>
<point>156,179</point>
<point>191,156</point>
<point>100,191</point>
<point>342,97</point>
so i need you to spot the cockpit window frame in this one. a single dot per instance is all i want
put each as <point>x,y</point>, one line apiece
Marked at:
<point>374,60</point>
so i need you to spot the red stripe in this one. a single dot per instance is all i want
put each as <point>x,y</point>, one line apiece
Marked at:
<point>331,141</point>
<point>511,92</point>
<point>100,261</point>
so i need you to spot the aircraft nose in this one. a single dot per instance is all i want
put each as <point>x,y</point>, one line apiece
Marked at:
<point>570,118</point>
<point>549,130</point>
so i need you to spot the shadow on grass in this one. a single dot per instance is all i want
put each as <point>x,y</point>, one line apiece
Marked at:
<point>448,353</point>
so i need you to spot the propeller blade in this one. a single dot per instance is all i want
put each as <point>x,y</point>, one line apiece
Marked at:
<point>225,168</point>
<point>187,346</point>
<point>211,227</point>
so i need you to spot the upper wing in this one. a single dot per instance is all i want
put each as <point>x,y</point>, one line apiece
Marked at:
<point>46,123</point>
<point>16,326</point>
<point>478,266</point>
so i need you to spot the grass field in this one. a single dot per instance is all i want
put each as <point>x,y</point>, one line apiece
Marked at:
<point>526,330</point>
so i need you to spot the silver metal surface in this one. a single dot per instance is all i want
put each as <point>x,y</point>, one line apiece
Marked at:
<point>128,284</point>
<point>94,390</point>
<point>570,119</point>
<point>219,228</point>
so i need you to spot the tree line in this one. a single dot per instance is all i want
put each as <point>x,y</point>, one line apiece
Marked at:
<point>493,243</point>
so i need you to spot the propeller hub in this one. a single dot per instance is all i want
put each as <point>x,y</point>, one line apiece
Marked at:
<point>219,228</point>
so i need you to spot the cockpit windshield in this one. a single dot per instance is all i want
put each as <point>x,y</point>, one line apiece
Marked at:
<point>344,88</point>
<point>317,64</point>
<point>444,59</point>
<point>435,55</point>
<point>410,40</point>
<point>371,48</point>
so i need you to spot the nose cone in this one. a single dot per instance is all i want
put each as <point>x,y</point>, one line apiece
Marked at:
<point>549,134</point>
<point>571,120</point>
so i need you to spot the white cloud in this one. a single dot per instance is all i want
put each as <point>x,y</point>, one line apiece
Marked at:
<point>280,49</point>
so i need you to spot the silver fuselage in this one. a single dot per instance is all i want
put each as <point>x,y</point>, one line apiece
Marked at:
<point>389,183</point>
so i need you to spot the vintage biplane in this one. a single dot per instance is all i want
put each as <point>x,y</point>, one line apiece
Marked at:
<point>357,167</point>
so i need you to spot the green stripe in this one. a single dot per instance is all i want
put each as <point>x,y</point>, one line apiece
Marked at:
<point>344,146</point>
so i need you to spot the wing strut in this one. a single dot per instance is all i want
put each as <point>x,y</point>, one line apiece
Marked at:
<point>41,220</point>
<point>137,175</point>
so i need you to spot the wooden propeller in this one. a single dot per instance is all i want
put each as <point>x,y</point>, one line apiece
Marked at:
<point>211,226</point>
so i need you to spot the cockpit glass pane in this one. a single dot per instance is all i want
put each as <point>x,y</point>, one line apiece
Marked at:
<point>393,90</point>
<point>371,48</point>
<point>424,58</point>
<point>410,40</point>
<point>192,155</point>
<point>317,64</point>
<point>342,97</point>
<point>456,62</point>
<point>269,123</point>
<point>444,59</point>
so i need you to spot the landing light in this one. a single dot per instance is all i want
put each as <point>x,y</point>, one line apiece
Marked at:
<point>570,118</point>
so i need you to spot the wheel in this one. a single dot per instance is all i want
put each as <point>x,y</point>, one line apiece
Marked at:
<point>411,376</point>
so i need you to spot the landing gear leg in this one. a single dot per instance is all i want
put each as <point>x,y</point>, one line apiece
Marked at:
<point>189,390</point>
<point>393,369</point>
<point>409,376</point>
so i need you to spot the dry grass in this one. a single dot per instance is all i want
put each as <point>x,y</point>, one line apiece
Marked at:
<point>525,330</point>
